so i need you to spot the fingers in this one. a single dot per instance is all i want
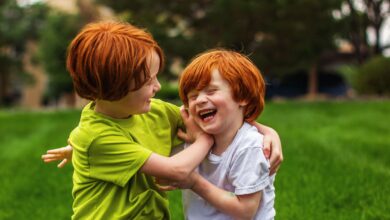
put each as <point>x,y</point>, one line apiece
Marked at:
<point>166,185</point>
<point>49,160</point>
<point>62,163</point>
<point>161,181</point>
<point>274,168</point>
<point>275,161</point>
<point>61,150</point>
<point>167,188</point>
<point>184,113</point>
<point>267,147</point>
<point>55,151</point>
<point>276,155</point>
<point>183,136</point>
<point>51,157</point>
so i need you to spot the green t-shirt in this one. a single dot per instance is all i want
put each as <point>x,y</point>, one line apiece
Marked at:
<point>107,156</point>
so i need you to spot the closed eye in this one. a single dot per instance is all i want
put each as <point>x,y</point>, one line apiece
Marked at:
<point>211,91</point>
<point>192,97</point>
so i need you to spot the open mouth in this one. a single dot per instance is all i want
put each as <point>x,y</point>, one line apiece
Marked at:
<point>208,114</point>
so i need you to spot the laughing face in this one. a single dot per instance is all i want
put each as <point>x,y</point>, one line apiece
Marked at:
<point>139,101</point>
<point>214,108</point>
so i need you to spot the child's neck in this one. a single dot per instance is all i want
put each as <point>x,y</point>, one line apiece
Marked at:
<point>225,138</point>
<point>110,109</point>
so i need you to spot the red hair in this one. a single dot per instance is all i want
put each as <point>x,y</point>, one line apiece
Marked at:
<point>243,76</point>
<point>106,60</point>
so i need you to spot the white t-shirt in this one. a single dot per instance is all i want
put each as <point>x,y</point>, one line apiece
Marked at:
<point>241,169</point>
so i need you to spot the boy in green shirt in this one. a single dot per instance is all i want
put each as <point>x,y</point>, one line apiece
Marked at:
<point>124,135</point>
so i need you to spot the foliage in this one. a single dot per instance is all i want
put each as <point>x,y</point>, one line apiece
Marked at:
<point>374,77</point>
<point>168,92</point>
<point>334,160</point>
<point>359,17</point>
<point>59,30</point>
<point>297,35</point>
<point>280,36</point>
<point>18,25</point>
<point>349,72</point>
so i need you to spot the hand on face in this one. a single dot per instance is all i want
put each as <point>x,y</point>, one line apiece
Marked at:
<point>193,131</point>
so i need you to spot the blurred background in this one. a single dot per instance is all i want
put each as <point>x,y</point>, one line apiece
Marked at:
<point>305,48</point>
<point>327,67</point>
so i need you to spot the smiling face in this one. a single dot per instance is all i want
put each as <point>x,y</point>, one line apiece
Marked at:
<point>214,108</point>
<point>237,71</point>
<point>139,101</point>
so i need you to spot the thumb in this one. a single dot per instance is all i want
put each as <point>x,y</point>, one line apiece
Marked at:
<point>267,147</point>
<point>183,136</point>
<point>62,164</point>
<point>184,112</point>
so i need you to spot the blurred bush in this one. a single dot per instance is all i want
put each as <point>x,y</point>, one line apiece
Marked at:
<point>373,77</point>
<point>168,92</point>
<point>54,39</point>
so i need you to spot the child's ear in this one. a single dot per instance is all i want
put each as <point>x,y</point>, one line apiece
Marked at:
<point>243,103</point>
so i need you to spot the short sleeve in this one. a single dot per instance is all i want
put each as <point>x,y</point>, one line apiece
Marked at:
<point>173,113</point>
<point>249,171</point>
<point>115,158</point>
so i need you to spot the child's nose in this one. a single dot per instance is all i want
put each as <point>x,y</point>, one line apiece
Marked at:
<point>157,86</point>
<point>201,98</point>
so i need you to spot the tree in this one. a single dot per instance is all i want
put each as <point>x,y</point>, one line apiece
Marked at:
<point>302,32</point>
<point>17,26</point>
<point>280,36</point>
<point>357,18</point>
<point>56,35</point>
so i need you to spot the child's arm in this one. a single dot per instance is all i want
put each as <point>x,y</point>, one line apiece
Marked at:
<point>63,153</point>
<point>272,146</point>
<point>237,206</point>
<point>179,166</point>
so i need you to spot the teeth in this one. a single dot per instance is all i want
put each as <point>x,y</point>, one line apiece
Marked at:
<point>205,112</point>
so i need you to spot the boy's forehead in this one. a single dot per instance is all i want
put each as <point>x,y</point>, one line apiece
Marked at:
<point>211,81</point>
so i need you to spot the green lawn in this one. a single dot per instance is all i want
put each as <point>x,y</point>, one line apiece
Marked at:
<point>337,162</point>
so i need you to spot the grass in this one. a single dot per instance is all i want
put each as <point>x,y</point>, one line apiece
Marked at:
<point>337,162</point>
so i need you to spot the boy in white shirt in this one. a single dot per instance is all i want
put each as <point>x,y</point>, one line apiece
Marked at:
<point>224,93</point>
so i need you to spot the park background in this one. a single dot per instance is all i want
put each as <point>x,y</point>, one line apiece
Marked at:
<point>328,84</point>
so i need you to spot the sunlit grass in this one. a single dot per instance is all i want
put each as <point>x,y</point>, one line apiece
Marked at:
<point>337,162</point>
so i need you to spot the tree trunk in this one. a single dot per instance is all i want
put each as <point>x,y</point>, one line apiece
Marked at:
<point>356,35</point>
<point>3,87</point>
<point>312,83</point>
<point>32,94</point>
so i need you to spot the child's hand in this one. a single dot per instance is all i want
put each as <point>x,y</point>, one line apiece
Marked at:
<point>63,153</point>
<point>272,148</point>
<point>193,131</point>
<point>273,151</point>
<point>188,183</point>
<point>165,185</point>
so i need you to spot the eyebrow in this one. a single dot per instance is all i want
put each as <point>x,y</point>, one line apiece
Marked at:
<point>210,85</point>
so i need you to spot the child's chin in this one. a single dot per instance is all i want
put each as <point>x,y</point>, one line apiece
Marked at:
<point>209,130</point>
<point>147,109</point>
